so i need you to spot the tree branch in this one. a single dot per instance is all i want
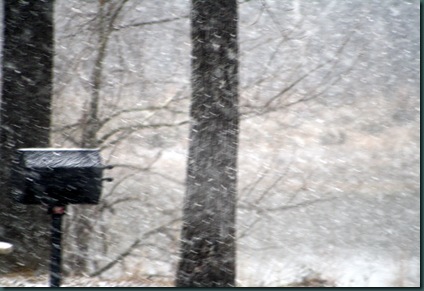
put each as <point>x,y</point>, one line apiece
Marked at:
<point>145,23</point>
<point>127,130</point>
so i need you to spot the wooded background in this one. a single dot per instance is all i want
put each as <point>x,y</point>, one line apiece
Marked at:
<point>329,136</point>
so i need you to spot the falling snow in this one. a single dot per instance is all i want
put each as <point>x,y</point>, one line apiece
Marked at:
<point>328,166</point>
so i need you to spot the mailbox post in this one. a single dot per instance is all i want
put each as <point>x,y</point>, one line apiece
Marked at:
<point>56,178</point>
<point>56,252</point>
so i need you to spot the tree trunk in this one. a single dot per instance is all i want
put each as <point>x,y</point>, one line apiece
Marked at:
<point>208,235</point>
<point>25,122</point>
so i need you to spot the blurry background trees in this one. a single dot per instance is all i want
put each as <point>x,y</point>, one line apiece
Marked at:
<point>320,180</point>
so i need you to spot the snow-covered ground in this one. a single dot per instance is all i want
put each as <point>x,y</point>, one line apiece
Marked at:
<point>351,270</point>
<point>356,271</point>
<point>43,281</point>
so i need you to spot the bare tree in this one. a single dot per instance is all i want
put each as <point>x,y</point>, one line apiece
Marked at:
<point>82,222</point>
<point>100,124</point>
<point>208,232</point>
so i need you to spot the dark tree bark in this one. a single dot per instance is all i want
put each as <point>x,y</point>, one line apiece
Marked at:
<point>208,234</point>
<point>25,122</point>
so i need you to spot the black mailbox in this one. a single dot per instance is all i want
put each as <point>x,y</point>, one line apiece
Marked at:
<point>57,176</point>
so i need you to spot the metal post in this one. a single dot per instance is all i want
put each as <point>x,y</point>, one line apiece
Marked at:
<point>56,235</point>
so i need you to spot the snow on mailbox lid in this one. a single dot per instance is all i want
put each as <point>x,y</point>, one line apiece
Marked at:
<point>60,158</point>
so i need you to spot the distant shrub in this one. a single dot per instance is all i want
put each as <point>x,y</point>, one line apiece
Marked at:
<point>313,279</point>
